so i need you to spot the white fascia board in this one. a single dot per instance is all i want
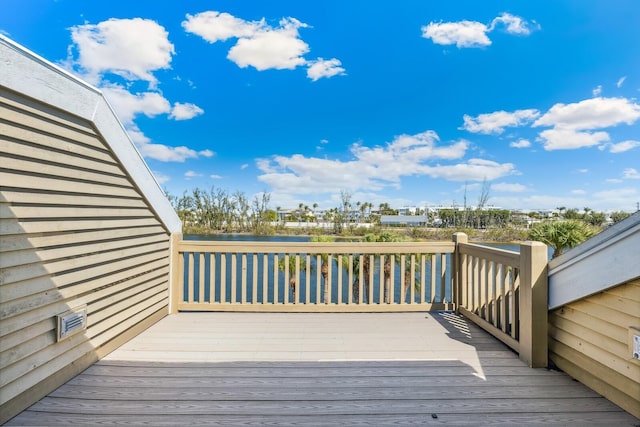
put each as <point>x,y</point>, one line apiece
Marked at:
<point>609,259</point>
<point>27,73</point>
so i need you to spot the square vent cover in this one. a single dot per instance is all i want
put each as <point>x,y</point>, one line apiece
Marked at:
<point>71,322</point>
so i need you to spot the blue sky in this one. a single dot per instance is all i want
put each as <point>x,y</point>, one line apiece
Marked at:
<point>407,102</point>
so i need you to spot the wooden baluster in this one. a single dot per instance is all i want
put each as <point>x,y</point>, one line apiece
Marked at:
<point>403,280</point>
<point>275,279</point>
<point>201,278</point>
<point>423,274</point>
<point>433,284</point>
<point>223,278</point>
<point>243,273</point>
<point>443,277</point>
<point>234,278</point>
<point>286,279</point>
<point>371,274</point>
<point>412,280</point>
<point>265,278</point>
<point>339,296</point>
<point>318,278</point>
<point>307,282</point>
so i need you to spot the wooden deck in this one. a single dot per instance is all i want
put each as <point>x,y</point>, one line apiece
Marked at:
<point>319,369</point>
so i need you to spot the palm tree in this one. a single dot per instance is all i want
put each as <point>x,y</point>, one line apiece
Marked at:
<point>324,269</point>
<point>561,235</point>
<point>292,271</point>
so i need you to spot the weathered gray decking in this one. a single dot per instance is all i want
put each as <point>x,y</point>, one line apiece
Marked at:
<point>319,369</point>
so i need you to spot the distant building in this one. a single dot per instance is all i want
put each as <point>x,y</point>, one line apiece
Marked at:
<point>411,220</point>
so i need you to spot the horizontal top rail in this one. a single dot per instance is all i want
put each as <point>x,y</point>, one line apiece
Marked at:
<point>317,247</point>
<point>501,256</point>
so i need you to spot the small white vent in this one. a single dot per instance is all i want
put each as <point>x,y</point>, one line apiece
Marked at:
<point>71,322</point>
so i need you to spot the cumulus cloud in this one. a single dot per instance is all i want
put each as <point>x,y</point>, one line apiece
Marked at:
<point>375,168</point>
<point>508,188</point>
<point>131,48</point>
<point>192,174</point>
<point>513,24</point>
<point>185,111</point>
<point>462,33</point>
<point>569,139</point>
<point>630,173</point>
<point>591,113</point>
<point>128,105</point>
<point>260,45</point>
<point>472,33</point>
<point>324,68</point>
<point>573,125</point>
<point>219,26</point>
<point>214,176</point>
<point>620,147</point>
<point>494,123</point>
<point>521,143</point>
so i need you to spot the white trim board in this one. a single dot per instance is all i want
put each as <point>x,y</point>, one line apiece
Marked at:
<point>607,260</point>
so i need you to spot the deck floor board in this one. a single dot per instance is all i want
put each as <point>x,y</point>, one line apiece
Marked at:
<point>319,369</point>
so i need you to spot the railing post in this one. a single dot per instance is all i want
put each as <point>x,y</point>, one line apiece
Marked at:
<point>174,272</point>
<point>533,304</point>
<point>457,271</point>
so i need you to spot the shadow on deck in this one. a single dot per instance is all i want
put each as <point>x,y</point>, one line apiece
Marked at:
<point>319,369</point>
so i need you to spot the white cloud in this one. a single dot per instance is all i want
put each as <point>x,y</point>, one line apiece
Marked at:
<point>462,33</point>
<point>260,45</point>
<point>578,192</point>
<point>185,111</point>
<point>591,113</point>
<point>497,121</point>
<point>583,170</point>
<point>613,180</point>
<point>324,68</point>
<point>569,139</point>
<point>375,168</point>
<point>164,153</point>
<point>215,176</point>
<point>597,91</point>
<point>514,24</point>
<point>192,174</point>
<point>623,146</point>
<point>131,48</point>
<point>571,122</point>
<point>508,188</point>
<point>216,26</point>
<point>621,81</point>
<point>279,48</point>
<point>244,166</point>
<point>472,33</point>
<point>630,173</point>
<point>128,105</point>
<point>521,143</point>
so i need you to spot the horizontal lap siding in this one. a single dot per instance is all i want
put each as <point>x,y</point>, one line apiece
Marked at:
<point>588,339</point>
<point>75,231</point>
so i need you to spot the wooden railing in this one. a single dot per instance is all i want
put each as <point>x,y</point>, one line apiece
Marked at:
<point>505,293</point>
<point>295,276</point>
